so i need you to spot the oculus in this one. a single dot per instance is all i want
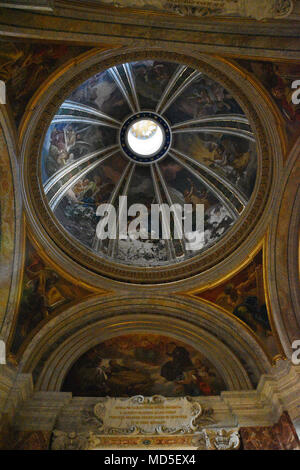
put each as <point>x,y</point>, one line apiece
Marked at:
<point>145,137</point>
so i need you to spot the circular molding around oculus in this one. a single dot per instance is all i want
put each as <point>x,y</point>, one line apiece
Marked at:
<point>145,138</point>
<point>151,126</point>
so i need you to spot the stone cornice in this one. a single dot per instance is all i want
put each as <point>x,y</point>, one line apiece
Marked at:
<point>260,407</point>
<point>89,25</point>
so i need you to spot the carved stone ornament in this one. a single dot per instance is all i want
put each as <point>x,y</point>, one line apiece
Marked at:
<point>257,9</point>
<point>151,415</point>
<point>217,439</point>
<point>70,440</point>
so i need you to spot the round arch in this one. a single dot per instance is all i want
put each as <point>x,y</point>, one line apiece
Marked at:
<point>60,362</point>
<point>283,254</point>
<point>229,345</point>
<point>11,226</point>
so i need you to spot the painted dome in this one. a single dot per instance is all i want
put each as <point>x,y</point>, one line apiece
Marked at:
<point>158,133</point>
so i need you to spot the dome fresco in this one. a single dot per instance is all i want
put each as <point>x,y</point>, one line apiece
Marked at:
<point>157,132</point>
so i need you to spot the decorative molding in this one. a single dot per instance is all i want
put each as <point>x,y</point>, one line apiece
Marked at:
<point>231,410</point>
<point>133,415</point>
<point>15,388</point>
<point>91,22</point>
<point>220,439</point>
<point>73,441</point>
<point>283,255</point>
<point>257,9</point>
<point>83,326</point>
<point>35,5</point>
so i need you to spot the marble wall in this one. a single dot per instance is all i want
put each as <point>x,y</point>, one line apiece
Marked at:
<point>281,436</point>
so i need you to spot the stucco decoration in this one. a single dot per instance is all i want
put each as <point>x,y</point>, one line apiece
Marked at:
<point>257,9</point>
<point>283,255</point>
<point>221,439</point>
<point>149,415</point>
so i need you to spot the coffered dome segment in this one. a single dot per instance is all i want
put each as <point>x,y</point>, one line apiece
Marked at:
<point>157,128</point>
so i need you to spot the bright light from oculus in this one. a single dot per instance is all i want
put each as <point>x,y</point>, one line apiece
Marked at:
<point>145,137</point>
